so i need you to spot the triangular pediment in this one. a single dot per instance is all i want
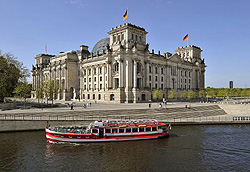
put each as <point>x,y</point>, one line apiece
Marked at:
<point>176,58</point>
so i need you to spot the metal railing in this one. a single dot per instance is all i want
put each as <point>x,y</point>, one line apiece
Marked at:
<point>201,119</point>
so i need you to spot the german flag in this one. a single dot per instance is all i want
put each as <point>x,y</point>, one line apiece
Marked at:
<point>125,15</point>
<point>185,38</point>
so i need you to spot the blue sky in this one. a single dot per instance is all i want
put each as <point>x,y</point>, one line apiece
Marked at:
<point>220,27</point>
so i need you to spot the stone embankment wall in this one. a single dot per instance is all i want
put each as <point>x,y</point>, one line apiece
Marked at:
<point>27,125</point>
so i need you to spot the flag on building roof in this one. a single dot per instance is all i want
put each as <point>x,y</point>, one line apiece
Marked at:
<point>185,38</point>
<point>125,15</point>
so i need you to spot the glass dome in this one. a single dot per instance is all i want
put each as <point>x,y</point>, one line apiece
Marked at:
<point>100,46</point>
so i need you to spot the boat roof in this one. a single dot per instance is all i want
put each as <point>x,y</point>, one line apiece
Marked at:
<point>126,123</point>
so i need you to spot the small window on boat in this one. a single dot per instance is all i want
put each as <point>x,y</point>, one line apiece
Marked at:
<point>128,130</point>
<point>141,129</point>
<point>154,129</point>
<point>70,136</point>
<point>148,128</point>
<point>121,130</point>
<point>134,129</point>
<point>94,131</point>
<point>62,136</point>
<point>78,137</point>
<point>114,130</point>
<point>87,137</point>
<point>107,131</point>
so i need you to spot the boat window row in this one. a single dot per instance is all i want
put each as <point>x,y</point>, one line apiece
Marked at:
<point>127,130</point>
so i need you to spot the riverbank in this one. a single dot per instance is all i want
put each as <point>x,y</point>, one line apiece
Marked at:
<point>176,113</point>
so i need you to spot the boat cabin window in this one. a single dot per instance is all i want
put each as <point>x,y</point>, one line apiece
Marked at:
<point>114,130</point>
<point>148,128</point>
<point>128,130</point>
<point>78,136</point>
<point>107,130</point>
<point>134,129</point>
<point>121,130</point>
<point>94,131</point>
<point>141,129</point>
<point>154,129</point>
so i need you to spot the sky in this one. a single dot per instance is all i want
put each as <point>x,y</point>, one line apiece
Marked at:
<point>221,28</point>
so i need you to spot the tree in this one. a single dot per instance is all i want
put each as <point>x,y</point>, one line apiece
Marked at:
<point>172,94</point>
<point>184,94</point>
<point>191,94</point>
<point>202,94</point>
<point>222,92</point>
<point>9,76</point>
<point>23,90</point>
<point>24,71</point>
<point>157,94</point>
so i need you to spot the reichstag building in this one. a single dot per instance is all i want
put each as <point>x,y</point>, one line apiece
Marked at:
<point>120,68</point>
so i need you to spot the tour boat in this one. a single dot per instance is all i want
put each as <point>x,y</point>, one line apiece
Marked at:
<point>106,131</point>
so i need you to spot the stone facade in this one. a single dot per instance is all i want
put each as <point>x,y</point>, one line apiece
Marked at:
<point>120,69</point>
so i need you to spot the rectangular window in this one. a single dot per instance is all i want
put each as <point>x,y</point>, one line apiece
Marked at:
<point>121,130</point>
<point>85,87</point>
<point>95,79</point>
<point>107,131</point>
<point>89,71</point>
<point>156,70</point>
<point>150,85</point>
<point>162,71</point>
<point>149,77</point>
<point>155,86</point>
<point>89,86</point>
<point>134,129</point>
<point>154,129</point>
<point>128,130</point>
<point>114,130</point>
<point>94,131</point>
<point>94,96</point>
<point>95,86</point>
<point>89,79</point>
<point>99,97</point>
<point>88,96</point>
<point>100,78</point>
<point>161,86</point>
<point>100,86</point>
<point>83,96</point>
<point>85,80</point>
<point>161,79</point>
<point>155,78</point>
<point>150,69</point>
<point>100,70</point>
<point>141,129</point>
<point>148,128</point>
<point>95,71</point>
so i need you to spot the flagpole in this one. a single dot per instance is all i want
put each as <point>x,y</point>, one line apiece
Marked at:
<point>127,14</point>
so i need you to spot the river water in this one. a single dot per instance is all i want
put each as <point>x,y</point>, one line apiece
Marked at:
<point>189,148</point>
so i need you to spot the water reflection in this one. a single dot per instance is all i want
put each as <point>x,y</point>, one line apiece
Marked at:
<point>189,148</point>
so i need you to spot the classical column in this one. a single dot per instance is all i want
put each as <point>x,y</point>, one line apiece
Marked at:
<point>109,78</point>
<point>92,78</point>
<point>103,77</point>
<point>146,74</point>
<point>87,78</point>
<point>121,73</point>
<point>135,74</point>
<point>98,78</point>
